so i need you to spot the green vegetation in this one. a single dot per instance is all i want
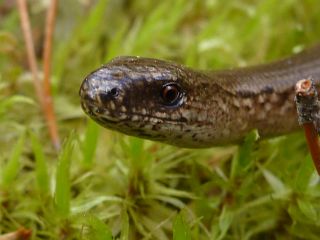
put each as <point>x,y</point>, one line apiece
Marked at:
<point>104,185</point>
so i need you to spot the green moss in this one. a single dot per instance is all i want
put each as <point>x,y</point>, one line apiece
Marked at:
<point>105,184</point>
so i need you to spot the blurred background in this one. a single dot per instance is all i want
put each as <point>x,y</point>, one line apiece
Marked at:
<point>102,184</point>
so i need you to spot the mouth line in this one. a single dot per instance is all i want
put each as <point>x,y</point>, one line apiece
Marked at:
<point>140,118</point>
<point>125,116</point>
<point>105,119</point>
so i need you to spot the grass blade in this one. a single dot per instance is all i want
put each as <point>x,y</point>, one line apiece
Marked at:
<point>225,221</point>
<point>243,159</point>
<point>41,168</point>
<point>98,229</point>
<point>275,183</point>
<point>304,174</point>
<point>11,170</point>
<point>62,190</point>
<point>125,226</point>
<point>6,104</point>
<point>89,145</point>
<point>181,229</point>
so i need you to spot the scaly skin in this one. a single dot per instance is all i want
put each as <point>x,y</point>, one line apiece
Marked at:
<point>213,108</point>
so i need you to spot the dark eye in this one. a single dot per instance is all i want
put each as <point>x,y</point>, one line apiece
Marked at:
<point>114,92</point>
<point>170,93</point>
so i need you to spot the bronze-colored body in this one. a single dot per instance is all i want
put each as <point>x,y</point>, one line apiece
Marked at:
<point>214,108</point>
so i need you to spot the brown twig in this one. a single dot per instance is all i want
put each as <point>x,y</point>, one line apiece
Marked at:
<point>308,110</point>
<point>20,234</point>
<point>313,143</point>
<point>51,120</point>
<point>43,93</point>
<point>25,25</point>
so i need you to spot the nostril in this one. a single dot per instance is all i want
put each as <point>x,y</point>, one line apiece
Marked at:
<point>104,97</point>
<point>114,92</point>
<point>110,95</point>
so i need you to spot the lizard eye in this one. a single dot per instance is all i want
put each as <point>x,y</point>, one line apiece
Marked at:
<point>171,94</point>
<point>114,92</point>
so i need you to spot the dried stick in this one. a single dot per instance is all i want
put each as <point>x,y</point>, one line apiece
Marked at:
<point>50,116</point>
<point>43,93</point>
<point>308,109</point>
<point>25,25</point>
<point>20,234</point>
